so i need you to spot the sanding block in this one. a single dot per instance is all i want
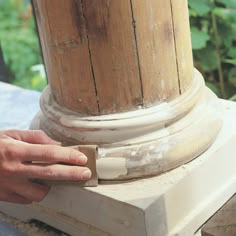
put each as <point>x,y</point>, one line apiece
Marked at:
<point>91,151</point>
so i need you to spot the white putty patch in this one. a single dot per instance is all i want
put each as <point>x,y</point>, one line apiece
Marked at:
<point>151,147</point>
<point>159,156</point>
<point>133,153</point>
<point>111,167</point>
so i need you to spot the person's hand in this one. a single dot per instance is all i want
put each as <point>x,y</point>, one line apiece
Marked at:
<point>29,155</point>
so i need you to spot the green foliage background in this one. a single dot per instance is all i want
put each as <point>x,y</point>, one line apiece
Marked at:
<point>213,30</point>
<point>20,44</point>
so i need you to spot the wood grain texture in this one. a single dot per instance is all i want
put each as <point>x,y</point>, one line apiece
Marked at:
<point>114,55</point>
<point>156,49</point>
<point>109,56</point>
<point>66,52</point>
<point>48,54</point>
<point>182,37</point>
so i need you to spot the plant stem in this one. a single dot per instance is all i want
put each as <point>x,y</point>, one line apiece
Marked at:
<point>218,57</point>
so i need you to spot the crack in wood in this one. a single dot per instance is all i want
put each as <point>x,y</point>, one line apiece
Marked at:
<point>176,53</point>
<point>137,53</point>
<point>53,55</point>
<point>90,55</point>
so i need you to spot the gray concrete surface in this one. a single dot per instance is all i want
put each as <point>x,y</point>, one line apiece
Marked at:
<point>17,106</point>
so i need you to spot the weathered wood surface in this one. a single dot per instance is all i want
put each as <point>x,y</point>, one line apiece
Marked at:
<point>49,58</point>
<point>109,56</point>
<point>223,223</point>
<point>65,47</point>
<point>183,44</point>
<point>156,50</point>
<point>114,54</point>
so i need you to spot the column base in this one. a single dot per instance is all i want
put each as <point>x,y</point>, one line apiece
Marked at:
<point>139,143</point>
<point>175,203</point>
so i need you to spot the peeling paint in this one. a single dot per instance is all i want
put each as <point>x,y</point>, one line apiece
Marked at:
<point>143,142</point>
<point>111,168</point>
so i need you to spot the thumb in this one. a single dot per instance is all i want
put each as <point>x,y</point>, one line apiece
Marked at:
<point>31,136</point>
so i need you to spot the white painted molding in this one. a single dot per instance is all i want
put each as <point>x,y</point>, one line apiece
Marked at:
<point>143,142</point>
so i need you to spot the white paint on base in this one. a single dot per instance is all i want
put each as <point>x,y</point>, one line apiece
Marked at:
<point>111,168</point>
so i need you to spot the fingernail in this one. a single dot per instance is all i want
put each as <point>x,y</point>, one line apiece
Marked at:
<point>86,174</point>
<point>57,143</point>
<point>83,158</point>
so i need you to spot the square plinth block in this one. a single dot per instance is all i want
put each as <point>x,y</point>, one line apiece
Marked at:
<point>178,202</point>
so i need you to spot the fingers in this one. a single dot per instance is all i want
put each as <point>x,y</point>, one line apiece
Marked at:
<point>32,191</point>
<point>31,136</point>
<point>41,162</point>
<point>15,198</point>
<point>52,154</point>
<point>55,172</point>
<point>22,191</point>
<point>25,152</point>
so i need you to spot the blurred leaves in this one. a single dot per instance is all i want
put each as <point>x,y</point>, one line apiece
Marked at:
<point>228,3</point>
<point>200,38</point>
<point>213,30</point>
<point>199,8</point>
<point>19,43</point>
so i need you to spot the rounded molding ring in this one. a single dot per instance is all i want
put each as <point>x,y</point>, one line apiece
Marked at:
<point>139,143</point>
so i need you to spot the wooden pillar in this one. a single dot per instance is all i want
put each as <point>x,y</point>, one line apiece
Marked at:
<point>121,76</point>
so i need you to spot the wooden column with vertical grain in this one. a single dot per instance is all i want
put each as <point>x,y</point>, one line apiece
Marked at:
<point>109,56</point>
<point>121,77</point>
